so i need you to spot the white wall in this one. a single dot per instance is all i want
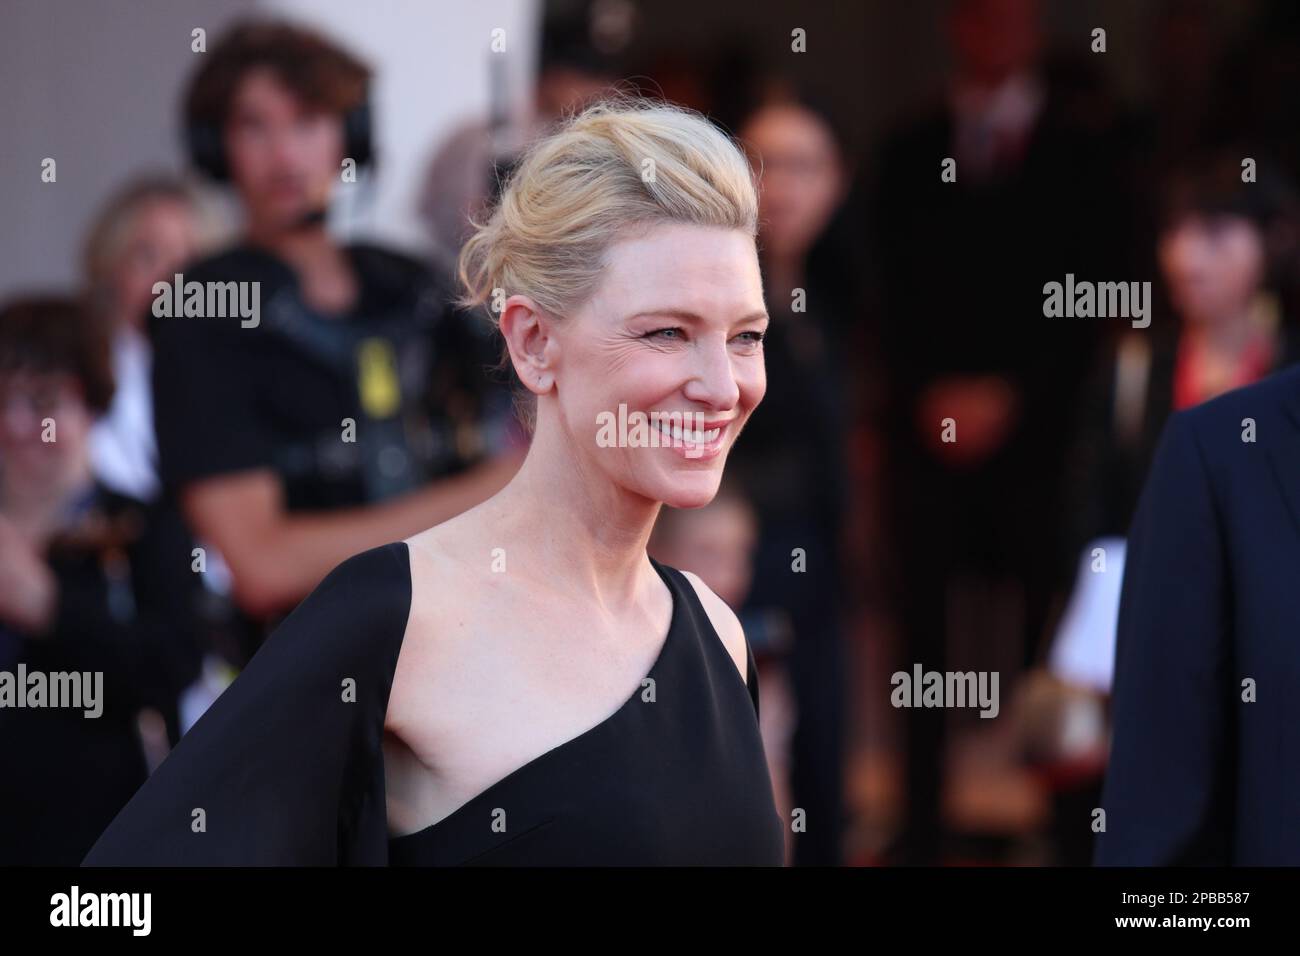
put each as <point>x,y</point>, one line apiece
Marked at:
<point>96,86</point>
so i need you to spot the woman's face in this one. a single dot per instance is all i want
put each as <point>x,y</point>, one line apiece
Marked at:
<point>162,238</point>
<point>284,158</point>
<point>1214,266</point>
<point>29,402</point>
<point>803,180</point>
<point>675,326</point>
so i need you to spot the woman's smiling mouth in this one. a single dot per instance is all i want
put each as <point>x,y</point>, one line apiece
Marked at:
<point>694,443</point>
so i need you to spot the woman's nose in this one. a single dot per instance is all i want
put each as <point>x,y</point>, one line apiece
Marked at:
<point>714,378</point>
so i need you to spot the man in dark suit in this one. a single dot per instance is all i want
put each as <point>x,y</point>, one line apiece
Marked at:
<point>964,339</point>
<point>1205,763</point>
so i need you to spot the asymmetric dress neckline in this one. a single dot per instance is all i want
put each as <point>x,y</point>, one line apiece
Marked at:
<point>675,775</point>
<point>484,796</point>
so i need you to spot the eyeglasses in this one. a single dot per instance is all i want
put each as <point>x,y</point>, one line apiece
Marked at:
<point>39,398</point>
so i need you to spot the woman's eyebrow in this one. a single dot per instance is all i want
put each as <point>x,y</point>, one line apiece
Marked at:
<point>690,316</point>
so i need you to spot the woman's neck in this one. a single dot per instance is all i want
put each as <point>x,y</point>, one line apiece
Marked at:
<point>587,533</point>
<point>302,248</point>
<point>1227,337</point>
<point>324,272</point>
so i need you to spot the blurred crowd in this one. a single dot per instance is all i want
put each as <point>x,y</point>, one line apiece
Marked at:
<point>199,487</point>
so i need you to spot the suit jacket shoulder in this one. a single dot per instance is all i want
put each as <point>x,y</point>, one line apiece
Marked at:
<point>1244,436</point>
<point>1200,773</point>
<point>286,767</point>
<point>1264,401</point>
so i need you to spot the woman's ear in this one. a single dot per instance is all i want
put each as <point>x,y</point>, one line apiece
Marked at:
<point>529,336</point>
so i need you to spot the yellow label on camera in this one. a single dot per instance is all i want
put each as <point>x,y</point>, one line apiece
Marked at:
<point>377,381</point>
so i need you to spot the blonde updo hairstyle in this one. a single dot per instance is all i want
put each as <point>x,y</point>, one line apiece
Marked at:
<point>609,172</point>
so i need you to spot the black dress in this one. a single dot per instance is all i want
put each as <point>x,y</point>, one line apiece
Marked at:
<point>286,767</point>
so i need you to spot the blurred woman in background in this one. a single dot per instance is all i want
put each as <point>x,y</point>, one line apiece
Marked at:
<point>146,232</point>
<point>792,464</point>
<point>1225,248</point>
<point>87,585</point>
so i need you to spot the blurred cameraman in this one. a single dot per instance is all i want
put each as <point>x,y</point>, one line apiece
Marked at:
<point>356,409</point>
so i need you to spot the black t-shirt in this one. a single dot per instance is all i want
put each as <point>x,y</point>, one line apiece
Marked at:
<point>411,372</point>
<point>412,375</point>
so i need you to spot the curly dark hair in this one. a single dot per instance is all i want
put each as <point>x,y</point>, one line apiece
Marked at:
<point>318,72</point>
<point>58,334</point>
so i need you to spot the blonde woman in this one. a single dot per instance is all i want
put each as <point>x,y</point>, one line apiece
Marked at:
<point>523,684</point>
<point>147,231</point>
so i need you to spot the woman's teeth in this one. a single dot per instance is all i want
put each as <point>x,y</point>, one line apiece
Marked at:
<point>693,436</point>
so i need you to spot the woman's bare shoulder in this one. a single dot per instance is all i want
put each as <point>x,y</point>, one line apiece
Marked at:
<point>443,561</point>
<point>724,621</point>
<point>444,593</point>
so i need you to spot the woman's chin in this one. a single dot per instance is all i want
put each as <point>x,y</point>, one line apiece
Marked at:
<point>695,493</point>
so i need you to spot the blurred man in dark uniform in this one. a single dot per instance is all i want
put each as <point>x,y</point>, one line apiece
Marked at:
<point>963,264</point>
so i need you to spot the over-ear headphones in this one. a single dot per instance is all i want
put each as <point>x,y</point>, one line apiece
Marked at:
<point>207,150</point>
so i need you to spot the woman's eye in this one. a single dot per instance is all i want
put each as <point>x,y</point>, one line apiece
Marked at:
<point>670,334</point>
<point>753,337</point>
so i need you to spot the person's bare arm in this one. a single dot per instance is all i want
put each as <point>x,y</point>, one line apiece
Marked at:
<point>276,556</point>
